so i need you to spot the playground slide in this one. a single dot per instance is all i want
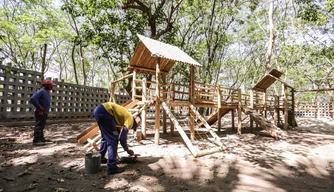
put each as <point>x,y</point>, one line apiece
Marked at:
<point>272,129</point>
<point>212,118</point>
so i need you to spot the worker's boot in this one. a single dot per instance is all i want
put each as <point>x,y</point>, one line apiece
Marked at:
<point>38,142</point>
<point>45,140</point>
<point>115,170</point>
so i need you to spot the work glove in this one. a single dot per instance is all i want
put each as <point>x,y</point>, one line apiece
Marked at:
<point>130,152</point>
<point>41,110</point>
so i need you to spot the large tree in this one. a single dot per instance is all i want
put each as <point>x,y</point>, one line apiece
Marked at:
<point>28,30</point>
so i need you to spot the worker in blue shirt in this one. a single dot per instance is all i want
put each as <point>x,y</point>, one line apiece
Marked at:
<point>41,100</point>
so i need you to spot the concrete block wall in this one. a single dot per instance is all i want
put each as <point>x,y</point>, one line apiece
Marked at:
<point>69,101</point>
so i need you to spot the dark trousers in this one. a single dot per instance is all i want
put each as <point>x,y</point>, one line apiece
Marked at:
<point>109,134</point>
<point>40,122</point>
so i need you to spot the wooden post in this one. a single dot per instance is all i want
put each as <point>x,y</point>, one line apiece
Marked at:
<point>143,113</point>
<point>276,110</point>
<point>112,93</point>
<point>164,120</point>
<point>172,109</point>
<point>134,84</point>
<point>265,103</point>
<point>157,103</point>
<point>286,115</point>
<point>293,119</point>
<point>232,118</point>
<point>251,100</point>
<point>219,107</point>
<point>239,111</point>
<point>318,110</point>
<point>192,99</point>
<point>333,109</point>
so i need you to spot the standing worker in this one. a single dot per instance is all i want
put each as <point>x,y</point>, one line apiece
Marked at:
<point>114,122</point>
<point>41,100</point>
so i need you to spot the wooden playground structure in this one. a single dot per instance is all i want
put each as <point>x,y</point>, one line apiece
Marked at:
<point>181,102</point>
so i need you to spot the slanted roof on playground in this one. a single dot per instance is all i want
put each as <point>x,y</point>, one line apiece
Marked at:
<point>144,58</point>
<point>273,76</point>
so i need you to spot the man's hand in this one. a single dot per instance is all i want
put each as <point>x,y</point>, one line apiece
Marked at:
<point>41,110</point>
<point>130,152</point>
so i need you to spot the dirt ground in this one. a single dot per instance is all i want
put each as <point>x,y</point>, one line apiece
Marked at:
<point>304,161</point>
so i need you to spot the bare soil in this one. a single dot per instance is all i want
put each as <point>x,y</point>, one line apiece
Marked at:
<point>304,161</point>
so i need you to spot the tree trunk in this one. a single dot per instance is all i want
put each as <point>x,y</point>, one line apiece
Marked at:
<point>82,64</point>
<point>271,40</point>
<point>74,65</point>
<point>43,62</point>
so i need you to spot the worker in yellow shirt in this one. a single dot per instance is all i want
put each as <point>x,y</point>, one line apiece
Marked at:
<point>114,122</point>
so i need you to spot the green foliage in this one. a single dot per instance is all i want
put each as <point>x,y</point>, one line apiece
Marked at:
<point>229,38</point>
<point>25,27</point>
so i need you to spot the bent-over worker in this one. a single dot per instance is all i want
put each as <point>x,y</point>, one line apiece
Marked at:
<point>114,122</point>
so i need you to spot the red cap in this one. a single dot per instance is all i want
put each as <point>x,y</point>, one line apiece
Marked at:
<point>48,82</point>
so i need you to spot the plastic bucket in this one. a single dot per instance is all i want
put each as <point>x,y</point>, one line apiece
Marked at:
<point>92,162</point>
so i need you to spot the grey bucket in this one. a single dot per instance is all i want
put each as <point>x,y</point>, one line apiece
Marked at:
<point>92,162</point>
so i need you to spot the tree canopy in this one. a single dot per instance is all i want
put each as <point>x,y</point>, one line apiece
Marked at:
<point>91,42</point>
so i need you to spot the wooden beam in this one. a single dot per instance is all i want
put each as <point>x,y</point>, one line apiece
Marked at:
<point>286,115</point>
<point>314,90</point>
<point>251,98</point>
<point>219,106</point>
<point>157,103</point>
<point>87,131</point>
<point>239,111</point>
<point>122,78</point>
<point>164,95</point>
<point>172,108</point>
<point>134,84</point>
<point>145,69</point>
<point>88,135</point>
<point>143,114</point>
<point>192,99</point>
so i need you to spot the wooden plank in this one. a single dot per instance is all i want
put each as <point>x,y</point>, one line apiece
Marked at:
<point>88,135</point>
<point>157,103</point>
<point>132,104</point>
<point>315,90</point>
<point>149,70</point>
<point>272,129</point>
<point>87,131</point>
<point>212,118</point>
<point>143,114</point>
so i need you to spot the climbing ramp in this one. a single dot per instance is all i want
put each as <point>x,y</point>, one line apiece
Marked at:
<point>271,128</point>
<point>195,151</point>
<point>91,137</point>
<point>212,118</point>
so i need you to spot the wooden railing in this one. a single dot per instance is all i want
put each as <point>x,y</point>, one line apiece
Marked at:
<point>215,96</point>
